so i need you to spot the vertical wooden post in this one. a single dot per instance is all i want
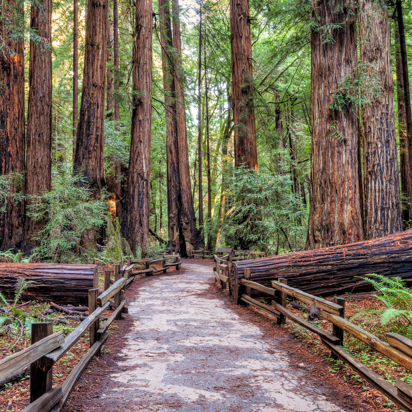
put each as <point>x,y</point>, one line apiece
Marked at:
<point>247,274</point>
<point>93,294</point>
<point>336,331</point>
<point>40,382</point>
<point>118,296</point>
<point>282,301</point>
<point>107,274</point>
<point>164,266</point>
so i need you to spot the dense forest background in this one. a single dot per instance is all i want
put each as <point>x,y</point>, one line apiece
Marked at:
<point>324,177</point>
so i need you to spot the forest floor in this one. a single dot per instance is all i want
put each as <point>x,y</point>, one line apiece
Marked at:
<point>185,346</point>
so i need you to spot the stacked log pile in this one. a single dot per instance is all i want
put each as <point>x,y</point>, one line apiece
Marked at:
<point>53,282</point>
<point>334,270</point>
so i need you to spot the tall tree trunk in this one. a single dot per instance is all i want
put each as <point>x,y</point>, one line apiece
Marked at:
<point>90,133</point>
<point>406,137</point>
<point>11,129</point>
<point>191,235</point>
<point>39,121</point>
<point>110,70</point>
<point>173,180</point>
<point>75,71</point>
<point>199,127</point>
<point>403,134</point>
<point>209,183</point>
<point>135,222</point>
<point>242,85</point>
<point>335,214</point>
<point>116,58</point>
<point>381,179</point>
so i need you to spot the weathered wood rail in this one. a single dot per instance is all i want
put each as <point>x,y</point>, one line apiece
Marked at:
<point>235,254</point>
<point>147,267</point>
<point>399,348</point>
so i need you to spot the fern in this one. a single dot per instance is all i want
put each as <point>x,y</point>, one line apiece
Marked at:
<point>21,287</point>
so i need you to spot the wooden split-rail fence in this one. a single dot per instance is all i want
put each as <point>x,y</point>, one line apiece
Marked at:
<point>47,347</point>
<point>398,348</point>
<point>230,253</point>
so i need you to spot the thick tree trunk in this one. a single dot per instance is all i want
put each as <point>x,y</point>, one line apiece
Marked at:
<point>199,127</point>
<point>172,147</point>
<point>135,221</point>
<point>403,134</point>
<point>336,269</point>
<point>75,71</point>
<point>381,179</point>
<point>335,213</point>
<point>191,235</point>
<point>11,130</point>
<point>39,120</point>
<point>90,133</point>
<point>116,58</point>
<point>242,85</point>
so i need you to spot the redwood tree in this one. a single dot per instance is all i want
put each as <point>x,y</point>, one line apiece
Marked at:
<point>381,179</point>
<point>135,222</point>
<point>191,235</point>
<point>75,70</point>
<point>335,213</point>
<point>11,128</point>
<point>39,120</point>
<point>90,133</point>
<point>172,146</point>
<point>242,85</point>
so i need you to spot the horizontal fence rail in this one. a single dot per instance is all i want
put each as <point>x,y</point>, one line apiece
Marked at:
<point>399,348</point>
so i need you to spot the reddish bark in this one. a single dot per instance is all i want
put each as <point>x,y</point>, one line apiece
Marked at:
<point>75,70</point>
<point>335,213</point>
<point>90,133</point>
<point>381,179</point>
<point>39,121</point>
<point>135,222</point>
<point>11,131</point>
<point>242,85</point>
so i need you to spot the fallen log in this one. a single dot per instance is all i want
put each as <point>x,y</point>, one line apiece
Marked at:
<point>334,270</point>
<point>57,283</point>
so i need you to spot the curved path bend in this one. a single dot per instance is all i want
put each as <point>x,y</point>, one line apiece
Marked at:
<point>187,351</point>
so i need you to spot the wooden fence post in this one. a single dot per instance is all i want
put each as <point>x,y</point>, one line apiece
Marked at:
<point>281,299</point>
<point>40,381</point>
<point>337,331</point>
<point>107,274</point>
<point>118,295</point>
<point>93,294</point>
<point>247,274</point>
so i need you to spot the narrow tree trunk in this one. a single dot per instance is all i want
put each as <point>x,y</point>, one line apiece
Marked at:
<point>381,179</point>
<point>75,71</point>
<point>209,183</point>
<point>403,134</point>
<point>199,119</point>
<point>11,129</point>
<point>242,85</point>
<point>90,133</point>
<point>116,58</point>
<point>39,121</point>
<point>135,222</point>
<point>406,137</point>
<point>335,213</point>
<point>172,147</point>
<point>110,70</point>
<point>192,237</point>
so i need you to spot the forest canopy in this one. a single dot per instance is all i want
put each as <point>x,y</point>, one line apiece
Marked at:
<point>131,126</point>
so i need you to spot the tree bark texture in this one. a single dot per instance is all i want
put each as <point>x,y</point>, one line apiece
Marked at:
<point>90,133</point>
<point>39,120</point>
<point>335,210</point>
<point>381,180</point>
<point>242,85</point>
<point>403,133</point>
<point>172,145</point>
<point>12,142</point>
<point>75,71</point>
<point>192,237</point>
<point>336,269</point>
<point>110,69</point>
<point>135,222</point>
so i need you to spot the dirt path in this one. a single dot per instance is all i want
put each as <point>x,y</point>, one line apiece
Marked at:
<point>188,351</point>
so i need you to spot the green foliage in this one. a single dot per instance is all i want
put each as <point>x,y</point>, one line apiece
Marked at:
<point>263,209</point>
<point>398,301</point>
<point>68,213</point>
<point>11,190</point>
